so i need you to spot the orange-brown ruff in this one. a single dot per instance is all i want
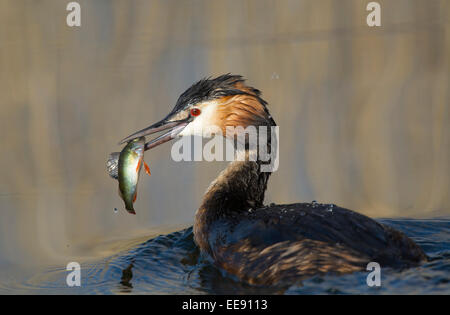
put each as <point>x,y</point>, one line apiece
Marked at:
<point>271,245</point>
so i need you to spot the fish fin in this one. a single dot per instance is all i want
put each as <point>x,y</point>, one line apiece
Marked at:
<point>134,197</point>
<point>147,169</point>
<point>138,165</point>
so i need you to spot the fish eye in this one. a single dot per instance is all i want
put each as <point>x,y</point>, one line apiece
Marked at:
<point>195,111</point>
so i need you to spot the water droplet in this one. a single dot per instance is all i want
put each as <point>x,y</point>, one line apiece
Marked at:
<point>330,208</point>
<point>275,76</point>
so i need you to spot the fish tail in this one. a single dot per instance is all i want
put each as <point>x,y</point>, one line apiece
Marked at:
<point>130,208</point>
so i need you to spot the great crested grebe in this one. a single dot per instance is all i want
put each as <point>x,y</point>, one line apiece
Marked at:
<point>276,244</point>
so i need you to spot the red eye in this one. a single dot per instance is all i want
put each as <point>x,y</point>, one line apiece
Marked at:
<point>195,111</point>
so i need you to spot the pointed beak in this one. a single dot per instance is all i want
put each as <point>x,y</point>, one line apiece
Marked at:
<point>171,128</point>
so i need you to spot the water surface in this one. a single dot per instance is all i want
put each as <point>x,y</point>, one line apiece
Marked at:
<point>171,264</point>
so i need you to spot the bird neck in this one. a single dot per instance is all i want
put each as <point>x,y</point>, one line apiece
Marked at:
<point>238,188</point>
<point>242,185</point>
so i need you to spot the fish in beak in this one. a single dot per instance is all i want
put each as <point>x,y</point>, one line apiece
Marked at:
<point>172,126</point>
<point>125,166</point>
<point>131,159</point>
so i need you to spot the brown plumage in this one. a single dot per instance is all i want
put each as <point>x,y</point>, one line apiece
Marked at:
<point>241,111</point>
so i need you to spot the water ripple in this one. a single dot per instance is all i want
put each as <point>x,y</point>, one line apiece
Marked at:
<point>172,264</point>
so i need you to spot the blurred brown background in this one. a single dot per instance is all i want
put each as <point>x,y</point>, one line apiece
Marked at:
<point>363,112</point>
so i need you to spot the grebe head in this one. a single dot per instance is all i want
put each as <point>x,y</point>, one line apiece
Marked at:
<point>209,104</point>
